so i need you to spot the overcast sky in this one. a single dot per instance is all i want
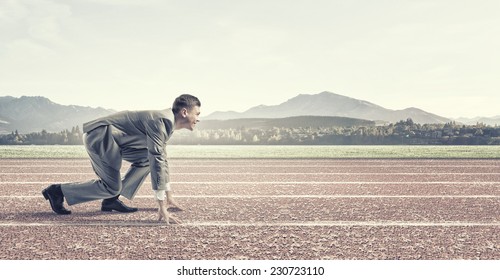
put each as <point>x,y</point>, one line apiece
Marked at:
<point>441,56</point>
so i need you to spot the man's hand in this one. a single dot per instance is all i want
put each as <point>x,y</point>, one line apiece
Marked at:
<point>172,204</point>
<point>164,215</point>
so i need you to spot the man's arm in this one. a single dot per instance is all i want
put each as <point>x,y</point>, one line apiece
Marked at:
<point>161,194</point>
<point>157,136</point>
<point>162,208</point>
<point>156,141</point>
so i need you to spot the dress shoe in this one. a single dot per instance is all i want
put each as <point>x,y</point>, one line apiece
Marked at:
<point>114,203</point>
<point>54,195</point>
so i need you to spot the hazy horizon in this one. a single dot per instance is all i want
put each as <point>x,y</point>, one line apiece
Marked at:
<point>440,56</point>
<point>251,106</point>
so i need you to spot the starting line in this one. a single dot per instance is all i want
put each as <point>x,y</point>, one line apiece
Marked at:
<point>271,173</point>
<point>290,182</point>
<point>288,196</point>
<point>259,224</point>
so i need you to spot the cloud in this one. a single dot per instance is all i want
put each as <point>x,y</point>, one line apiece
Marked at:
<point>11,11</point>
<point>33,41</point>
<point>39,21</point>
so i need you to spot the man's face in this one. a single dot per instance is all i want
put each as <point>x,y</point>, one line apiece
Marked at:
<point>192,117</point>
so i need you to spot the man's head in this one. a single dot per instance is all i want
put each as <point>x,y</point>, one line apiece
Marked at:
<point>186,109</point>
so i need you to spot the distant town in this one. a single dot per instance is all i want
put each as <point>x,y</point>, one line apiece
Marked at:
<point>404,132</point>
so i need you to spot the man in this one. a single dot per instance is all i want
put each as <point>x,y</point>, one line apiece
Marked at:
<point>138,137</point>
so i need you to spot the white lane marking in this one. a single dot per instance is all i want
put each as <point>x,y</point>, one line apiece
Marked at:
<point>272,166</point>
<point>292,182</point>
<point>259,224</point>
<point>270,173</point>
<point>333,196</point>
<point>290,196</point>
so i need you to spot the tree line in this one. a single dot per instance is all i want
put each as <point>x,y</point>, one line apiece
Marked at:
<point>65,137</point>
<point>404,132</point>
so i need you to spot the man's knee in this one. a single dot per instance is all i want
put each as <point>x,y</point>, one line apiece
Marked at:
<point>137,157</point>
<point>141,163</point>
<point>113,193</point>
<point>113,189</point>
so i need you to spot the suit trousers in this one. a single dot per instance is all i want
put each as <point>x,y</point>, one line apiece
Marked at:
<point>106,157</point>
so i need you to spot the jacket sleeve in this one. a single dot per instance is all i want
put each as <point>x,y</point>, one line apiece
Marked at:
<point>157,136</point>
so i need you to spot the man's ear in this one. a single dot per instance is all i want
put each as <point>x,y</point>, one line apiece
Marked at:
<point>184,112</point>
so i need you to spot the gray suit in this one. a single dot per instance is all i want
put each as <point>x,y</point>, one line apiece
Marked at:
<point>138,137</point>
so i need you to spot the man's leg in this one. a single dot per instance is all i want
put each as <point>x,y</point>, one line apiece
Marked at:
<point>137,172</point>
<point>106,160</point>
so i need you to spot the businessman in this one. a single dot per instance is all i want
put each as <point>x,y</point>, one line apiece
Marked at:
<point>138,137</point>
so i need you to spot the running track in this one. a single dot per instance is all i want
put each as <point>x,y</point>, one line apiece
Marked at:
<point>265,209</point>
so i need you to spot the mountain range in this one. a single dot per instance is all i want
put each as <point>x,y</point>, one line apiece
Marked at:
<point>331,104</point>
<point>472,121</point>
<point>34,113</point>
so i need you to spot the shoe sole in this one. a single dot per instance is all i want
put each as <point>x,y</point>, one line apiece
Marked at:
<point>105,209</point>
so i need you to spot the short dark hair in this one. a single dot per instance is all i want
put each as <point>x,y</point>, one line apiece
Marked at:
<point>185,101</point>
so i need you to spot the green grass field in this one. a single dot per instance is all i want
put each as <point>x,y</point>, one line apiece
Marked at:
<point>178,151</point>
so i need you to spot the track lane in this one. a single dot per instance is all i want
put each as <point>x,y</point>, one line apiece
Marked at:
<point>301,209</point>
<point>276,209</point>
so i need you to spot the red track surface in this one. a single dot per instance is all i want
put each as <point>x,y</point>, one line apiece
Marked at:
<point>265,209</point>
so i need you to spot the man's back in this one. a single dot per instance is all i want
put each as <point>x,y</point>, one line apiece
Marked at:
<point>132,122</point>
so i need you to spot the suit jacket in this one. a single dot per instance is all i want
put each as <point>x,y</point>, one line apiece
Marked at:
<point>142,130</point>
